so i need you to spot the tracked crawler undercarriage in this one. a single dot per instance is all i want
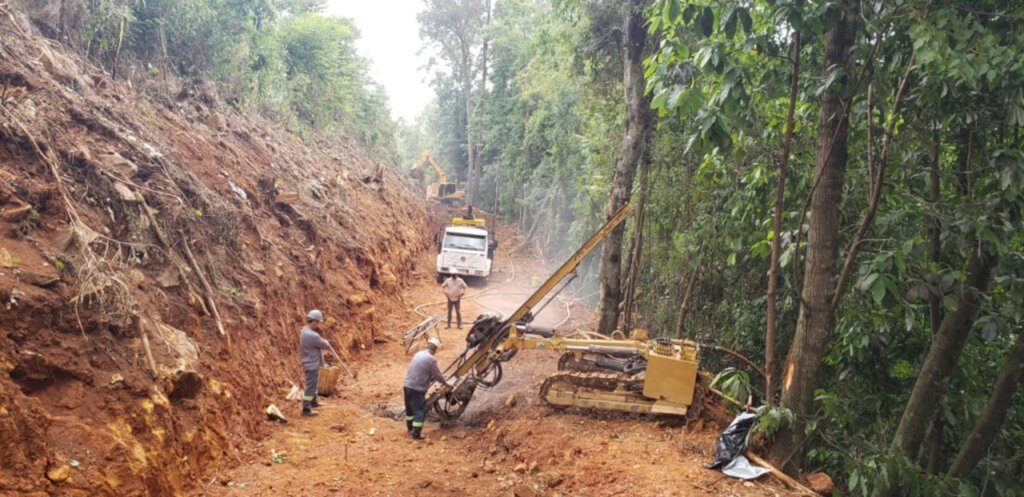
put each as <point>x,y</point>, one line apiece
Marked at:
<point>592,389</point>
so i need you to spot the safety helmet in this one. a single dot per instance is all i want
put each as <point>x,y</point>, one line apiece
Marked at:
<point>315,315</point>
<point>434,342</point>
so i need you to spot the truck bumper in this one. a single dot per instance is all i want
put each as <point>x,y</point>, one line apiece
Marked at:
<point>479,273</point>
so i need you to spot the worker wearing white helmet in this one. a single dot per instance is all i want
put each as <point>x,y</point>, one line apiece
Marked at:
<point>311,347</point>
<point>423,371</point>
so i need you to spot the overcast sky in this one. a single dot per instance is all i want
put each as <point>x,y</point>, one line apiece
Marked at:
<point>390,38</point>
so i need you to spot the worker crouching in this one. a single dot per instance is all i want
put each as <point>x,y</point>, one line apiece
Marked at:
<point>423,371</point>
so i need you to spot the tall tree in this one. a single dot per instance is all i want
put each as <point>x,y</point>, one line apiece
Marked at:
<point>800,373</point>
<point>639,122</point>
<point>454,27</point>
<point>481,106</point>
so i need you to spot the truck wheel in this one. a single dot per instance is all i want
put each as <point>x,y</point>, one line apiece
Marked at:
<point>440,278</point>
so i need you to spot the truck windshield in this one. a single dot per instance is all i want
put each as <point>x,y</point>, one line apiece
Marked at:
<point>465,242</point>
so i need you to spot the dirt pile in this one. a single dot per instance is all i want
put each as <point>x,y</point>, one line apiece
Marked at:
<point>156,258</point>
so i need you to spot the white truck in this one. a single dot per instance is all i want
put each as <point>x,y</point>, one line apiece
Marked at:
<point>466,249</point>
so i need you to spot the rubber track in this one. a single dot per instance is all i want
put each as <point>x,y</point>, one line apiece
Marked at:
<point>596,381</point>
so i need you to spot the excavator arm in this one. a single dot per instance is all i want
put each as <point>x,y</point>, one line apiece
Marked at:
<point>426,158</point>
<point>441,177</point>
<point>493,340</point>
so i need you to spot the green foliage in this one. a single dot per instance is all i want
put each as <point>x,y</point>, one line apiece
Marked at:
<point>734,383</point>
<point>772,418</point>
<point>281,57</point>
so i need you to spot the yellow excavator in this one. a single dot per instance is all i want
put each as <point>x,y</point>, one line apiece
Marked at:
<point>442,191</point>
<point>658,376</point>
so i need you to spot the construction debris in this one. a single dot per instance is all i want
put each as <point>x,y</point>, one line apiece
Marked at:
<point>295,393</point>
<point>275,415</point>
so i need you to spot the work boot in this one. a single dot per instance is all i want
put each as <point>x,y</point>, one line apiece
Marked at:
<point>417,436</point>
<point>310,412</point>
<point>316,403</point>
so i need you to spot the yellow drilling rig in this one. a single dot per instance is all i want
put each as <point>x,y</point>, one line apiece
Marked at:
<point>658,376</point>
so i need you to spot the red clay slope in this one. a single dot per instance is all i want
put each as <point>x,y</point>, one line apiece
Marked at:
<point>114,209</point>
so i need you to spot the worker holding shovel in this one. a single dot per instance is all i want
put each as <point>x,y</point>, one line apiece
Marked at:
<point>311,347</point>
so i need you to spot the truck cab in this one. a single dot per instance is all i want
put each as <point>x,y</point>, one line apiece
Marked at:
<point>465,249</point>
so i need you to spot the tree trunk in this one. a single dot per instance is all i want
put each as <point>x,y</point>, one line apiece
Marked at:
<point>472,177</point>
<point>803,362</point>
<point>633,260</point>
<point>773,272</point>
<point>684,306</point>
<point>117,49</point>
<point>965,154</point>
<point>935,434</point>
<point>991,419</point>
<point>480,111</point>
<point>638,124</point>
<point>935,230</point>
<point>943,356</point>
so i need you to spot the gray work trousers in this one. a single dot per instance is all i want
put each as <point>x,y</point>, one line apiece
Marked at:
<point>309,396</point>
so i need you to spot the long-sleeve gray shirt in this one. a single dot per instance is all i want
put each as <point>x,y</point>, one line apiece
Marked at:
<point>423,371</point>
<point>310,346</point>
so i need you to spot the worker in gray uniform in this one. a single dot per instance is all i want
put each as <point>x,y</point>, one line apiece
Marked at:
<point>311,347</point>
<point>423,371</point>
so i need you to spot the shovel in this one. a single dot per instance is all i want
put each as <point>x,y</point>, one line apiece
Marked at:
<point>336,356</point>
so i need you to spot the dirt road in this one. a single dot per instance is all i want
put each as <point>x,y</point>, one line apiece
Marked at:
<point>359,445</point>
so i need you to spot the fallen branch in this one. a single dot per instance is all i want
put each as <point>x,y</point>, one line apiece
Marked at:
<point>145,345</point>
<point>5,10</point>
<point>786,479</point>
<point>171,256</point>
<point>208,290</point>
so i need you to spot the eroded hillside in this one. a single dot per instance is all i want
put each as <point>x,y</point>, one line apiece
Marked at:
<point>157,257</point>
